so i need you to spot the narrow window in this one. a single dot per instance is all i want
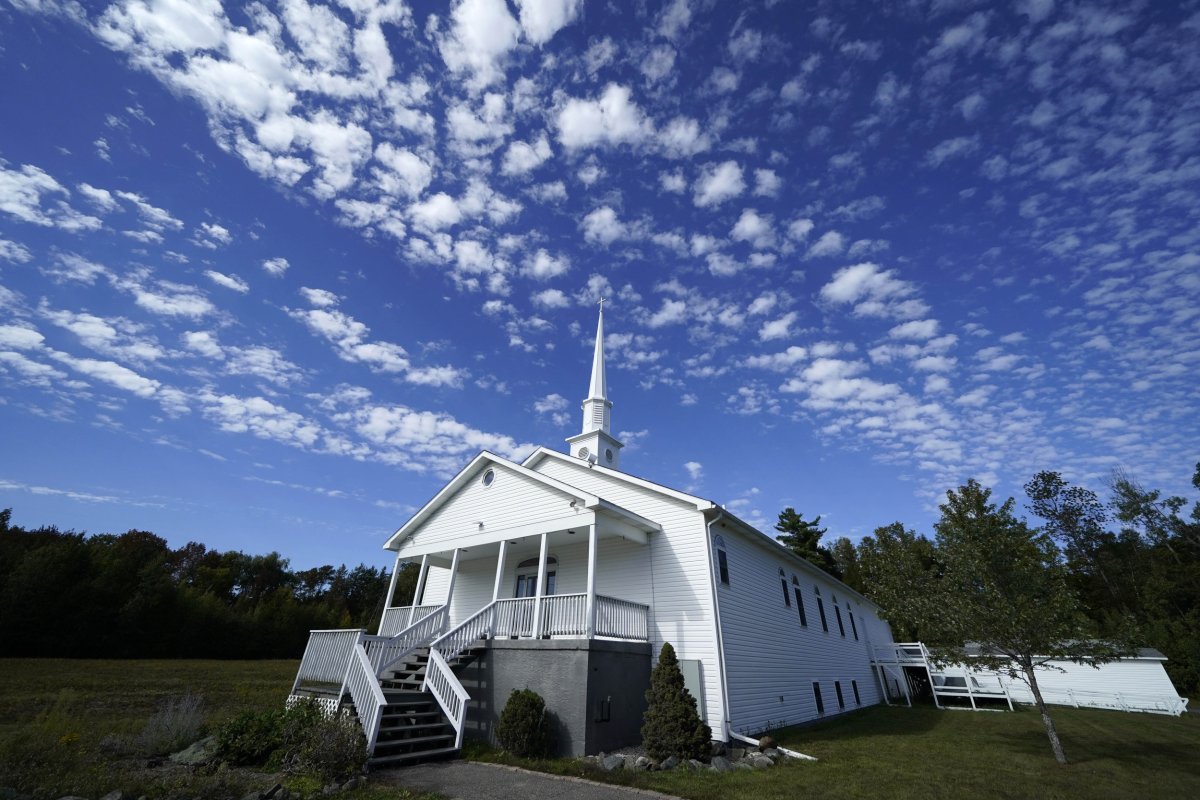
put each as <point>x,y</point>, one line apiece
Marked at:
<point>853,627</point>
<point>821,611</point>
<point>722,560</point>
<point>817,697</point>
<point>799,602</point>
<point>857,699</point>
<point>787,596</point>
<point>837,687</point>
<point>838,613</point>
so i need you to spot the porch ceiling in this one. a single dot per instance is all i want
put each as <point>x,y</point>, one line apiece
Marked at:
<point>525,541</point>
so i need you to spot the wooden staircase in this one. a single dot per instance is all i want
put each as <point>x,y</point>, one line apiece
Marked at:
<point>413,728</point>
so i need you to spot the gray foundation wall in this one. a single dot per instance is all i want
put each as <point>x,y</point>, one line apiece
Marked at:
<point>595,689</point>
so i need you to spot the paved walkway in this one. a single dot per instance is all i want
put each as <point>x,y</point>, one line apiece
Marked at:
<point>468,780</point>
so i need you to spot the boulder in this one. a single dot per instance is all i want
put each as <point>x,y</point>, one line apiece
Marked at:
<point>609,763</point>
<point>670,762</point>
<point>115,794</point>
<point>773,752</point>
<point>742,766</point>
<point>721,764</point>
<point>693,763</point>
<point>642,764</point>
<point>737,752</point>
<point>200,752</point>
<point>766,743</point>
<point>718,748</point>
<point>761,762</point>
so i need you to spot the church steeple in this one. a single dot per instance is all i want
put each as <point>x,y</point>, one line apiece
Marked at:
<point>595,443</point>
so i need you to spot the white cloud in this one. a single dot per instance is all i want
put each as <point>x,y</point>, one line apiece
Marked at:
<point>228,281</point>
<point>275,267</point>
<point>673,182</point>
<point>550,298</point>
<point>718,183</point>
<point>672,313</point>
<point>766,183</point>
<point>602,226</point>
<point>762,304</point>
<point>682,138</point>
<point>543,266</point>
<point>754,229</point>
<point>831,243</point>
<point>610,120</point>
<point>779,328</point>
<point>522,157</point>
<point>658,63</point>
<point>957,147</point>
<point>403,172</point>
<point>798,229</point>
<point>321,298</point>
<point>541,19</point>
<point>21,196</point>
<point>695,470</point>
<point>436,212</point>
<point>916,329</point>
<point>481,36</point>
<point>874,292</point>
<point>15,252</point>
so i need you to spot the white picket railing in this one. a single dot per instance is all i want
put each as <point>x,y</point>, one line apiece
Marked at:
<point>621,619</point>
<point>1117,701</point>
<point>396,618</point>
<point>384,651</point>
<point>514,617</point>
<point>363,686</point>
<point>900,653</point>
<point>326,656</point>
<point>443,684</point>
<point>564,615</point>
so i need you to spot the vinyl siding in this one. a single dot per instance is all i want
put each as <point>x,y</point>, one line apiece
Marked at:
<point>511,500</point>
<point>676,585</point>
<point>771,660</point>
<point>1139,682</point>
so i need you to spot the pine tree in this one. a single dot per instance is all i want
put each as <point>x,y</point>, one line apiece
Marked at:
<point>672,726</point>
<point>803,537</point>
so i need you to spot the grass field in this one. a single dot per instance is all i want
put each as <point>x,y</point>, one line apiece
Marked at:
<point>67,708</point>
<point>929,754</point>
<point>56,716</point>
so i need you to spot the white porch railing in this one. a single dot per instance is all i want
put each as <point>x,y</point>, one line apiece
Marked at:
<point>621,619</point>
<point>397,618</point>
<point>326,656</point>
<point>914,653</point>
<point>363,686</point>
<point>564,615</point>
<point>384,651</point>
<point>514,617</point>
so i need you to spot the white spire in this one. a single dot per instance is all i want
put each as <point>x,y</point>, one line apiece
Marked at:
<point>599,388</point>
<point>595,442</point>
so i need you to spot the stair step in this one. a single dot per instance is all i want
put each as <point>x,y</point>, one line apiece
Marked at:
<point>437,737</point>
<point>422,727</point>
<point>410,714</point>
<point>402,758</point>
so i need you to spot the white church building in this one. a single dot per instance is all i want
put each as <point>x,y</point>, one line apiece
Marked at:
<point>565,574</point>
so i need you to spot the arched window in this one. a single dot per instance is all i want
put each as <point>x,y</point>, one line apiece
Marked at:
<point>527,572</point>
<point>821,608</point>
<point>787,596</point>
<point>722,559</point>
<point>799,601</point>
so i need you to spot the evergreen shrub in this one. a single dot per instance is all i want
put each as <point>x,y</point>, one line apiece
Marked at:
<point>523,729</point>
<point>672,726</point>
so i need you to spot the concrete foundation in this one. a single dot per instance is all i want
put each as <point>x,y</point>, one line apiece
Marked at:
<point>595,689</point>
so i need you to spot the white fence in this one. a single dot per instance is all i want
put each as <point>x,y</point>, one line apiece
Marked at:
<point>326,657</point>
<point>397,618</point>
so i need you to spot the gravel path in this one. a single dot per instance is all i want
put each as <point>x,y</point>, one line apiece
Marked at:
<point>468,780</point>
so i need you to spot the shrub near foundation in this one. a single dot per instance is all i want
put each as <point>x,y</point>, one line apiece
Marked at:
<point>672,726</point>
<point>523,729</point>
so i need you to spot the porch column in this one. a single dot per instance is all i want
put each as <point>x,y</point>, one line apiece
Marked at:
<point>416,599</point>
<point>389,601</point>
<point>453,575</point>
<point>500,570</point>
<point>590,610</point>
<point>540,591</point>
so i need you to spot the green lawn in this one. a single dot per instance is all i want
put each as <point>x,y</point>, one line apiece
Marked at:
<point>926,753</point>
<point>56,716</point>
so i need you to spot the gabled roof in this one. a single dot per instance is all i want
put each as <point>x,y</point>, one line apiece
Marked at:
<point>464,476</point>
<point>699,502</point>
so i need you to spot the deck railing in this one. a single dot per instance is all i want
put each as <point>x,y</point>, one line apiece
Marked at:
<point>363,686</point>
<point>564,615</point>
<point>621,619</point>
<point>326,657</point>
<point>384,651</point>
<point>514,617</point>
<point>900,653</point>
<point>397,618</point>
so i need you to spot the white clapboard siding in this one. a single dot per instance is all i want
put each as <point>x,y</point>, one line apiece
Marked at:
<point>676,586</point>
<point>512,499</point>
<point>1134,683</point>
<point>771,659</point>
<point>436,581</point>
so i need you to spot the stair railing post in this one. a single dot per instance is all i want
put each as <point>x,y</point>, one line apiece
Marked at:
<point>391,591</point>
<point>450,584</point>
<point>590,609</point>
<point>540,590</point>
<point>412,609</point>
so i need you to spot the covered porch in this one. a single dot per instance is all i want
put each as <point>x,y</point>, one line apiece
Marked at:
<point>586,577</point>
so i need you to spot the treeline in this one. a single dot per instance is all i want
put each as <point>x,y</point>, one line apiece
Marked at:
<point>130,595</point>
<point>1132,562</point>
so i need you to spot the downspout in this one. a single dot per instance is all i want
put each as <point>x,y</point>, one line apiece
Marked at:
<point>726,716</point>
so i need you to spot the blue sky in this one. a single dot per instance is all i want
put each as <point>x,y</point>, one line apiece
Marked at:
<point>270,273</point>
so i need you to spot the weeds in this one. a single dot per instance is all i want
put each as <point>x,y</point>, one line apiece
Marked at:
<point>177,723</point>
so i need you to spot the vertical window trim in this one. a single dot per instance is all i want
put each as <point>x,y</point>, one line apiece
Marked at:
<point>857,696</point>
<point>837,688</point>
<point>853,627</point>
<point>722,560</point>
<point>817,697</point>
<point>837,612</point>
<point>787,597</point>
<point>821,610</point>
<point>799,602</point>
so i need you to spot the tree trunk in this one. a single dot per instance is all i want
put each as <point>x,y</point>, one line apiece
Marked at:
<point>1060,755</point>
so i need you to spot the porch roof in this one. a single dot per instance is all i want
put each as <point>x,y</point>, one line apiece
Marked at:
<point>618,520</point>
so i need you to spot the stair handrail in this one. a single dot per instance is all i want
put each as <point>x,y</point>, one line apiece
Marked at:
<point>477,626</point>
<point>443,684</point>
<point>363,686</point>
<point>386,651</point>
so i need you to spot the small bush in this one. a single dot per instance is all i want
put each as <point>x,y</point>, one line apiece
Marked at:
<point>301,740</point>
<point>251,737</point>
<point>523,729</point>
<point>672,726</point>
<point>175,725</point>
<point>332,749</point>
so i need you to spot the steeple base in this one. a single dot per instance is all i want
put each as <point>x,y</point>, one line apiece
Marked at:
<point>596,447</point>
